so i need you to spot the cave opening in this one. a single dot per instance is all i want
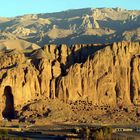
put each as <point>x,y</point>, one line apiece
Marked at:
<point>9,111</point>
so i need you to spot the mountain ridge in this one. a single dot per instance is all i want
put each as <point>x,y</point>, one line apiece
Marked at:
<point>90,26</point>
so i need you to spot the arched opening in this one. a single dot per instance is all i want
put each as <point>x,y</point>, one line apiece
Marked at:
<point>9,111</point>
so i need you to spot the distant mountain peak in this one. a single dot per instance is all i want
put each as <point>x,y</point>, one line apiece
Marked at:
<point>87,25</point>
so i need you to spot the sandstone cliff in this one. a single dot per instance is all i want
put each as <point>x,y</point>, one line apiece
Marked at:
<point>105,75</point>
<point>108,77</point>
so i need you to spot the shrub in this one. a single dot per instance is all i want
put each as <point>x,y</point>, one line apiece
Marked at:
<point>98,135</point>
<point>3,132</point>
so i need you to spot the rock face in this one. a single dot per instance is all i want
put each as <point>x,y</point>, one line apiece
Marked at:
<point>106,75</point>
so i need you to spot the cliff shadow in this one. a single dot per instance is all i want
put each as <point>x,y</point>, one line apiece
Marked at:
<point>80,56</point>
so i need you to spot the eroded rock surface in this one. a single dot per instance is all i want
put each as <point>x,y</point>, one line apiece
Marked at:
<point>108,77</point>
<point>103,75</point>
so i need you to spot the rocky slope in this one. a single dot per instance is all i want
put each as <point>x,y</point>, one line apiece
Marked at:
<point>103,25</point>
<point>17,44</point>
<point>104,76</point>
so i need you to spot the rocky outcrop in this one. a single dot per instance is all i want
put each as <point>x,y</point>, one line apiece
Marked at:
<point>105,75</point>
<point>89,23</point>
<point>108,77</point>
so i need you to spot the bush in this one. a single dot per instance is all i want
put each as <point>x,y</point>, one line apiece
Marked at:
<point>102,133</point>
<point>98,135</point>
<point>3,132</point>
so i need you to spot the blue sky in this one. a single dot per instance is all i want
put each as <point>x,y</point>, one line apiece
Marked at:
<point>10,8</point>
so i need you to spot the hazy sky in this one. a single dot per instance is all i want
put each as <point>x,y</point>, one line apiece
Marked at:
<point>11,8</point>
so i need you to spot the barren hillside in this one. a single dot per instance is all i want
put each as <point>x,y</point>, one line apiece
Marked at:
<point>90,26</point>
